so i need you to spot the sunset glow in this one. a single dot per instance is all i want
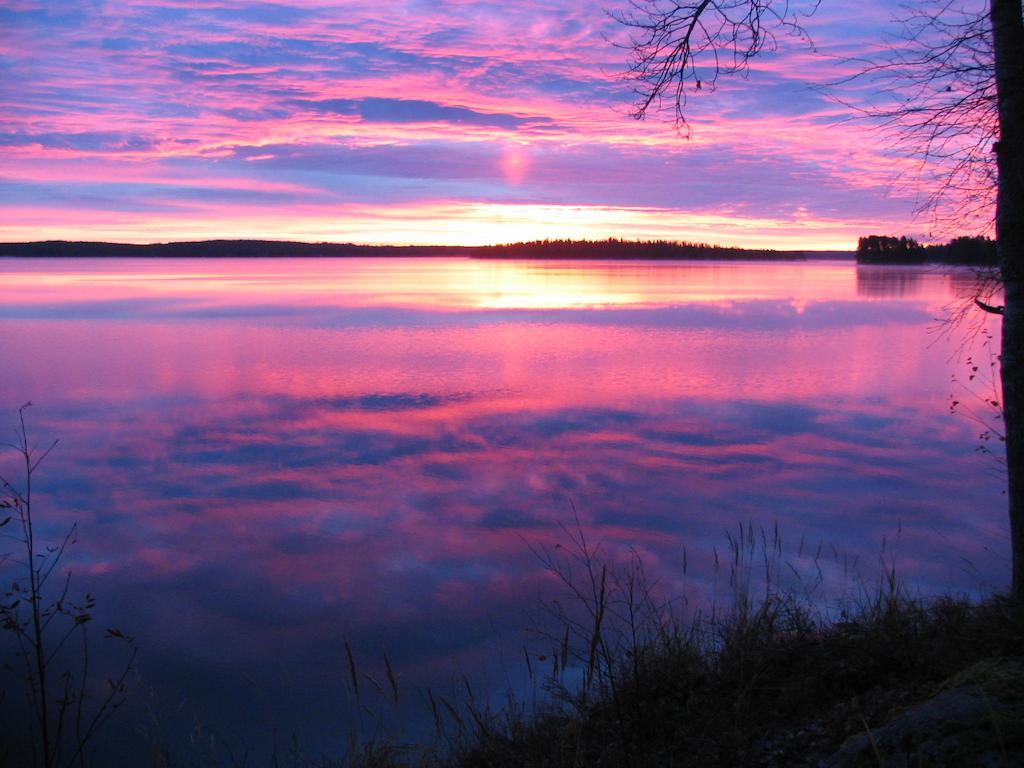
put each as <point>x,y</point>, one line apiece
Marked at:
<point>271,459</point>
<point>443,122</point>
<point>619,382</point>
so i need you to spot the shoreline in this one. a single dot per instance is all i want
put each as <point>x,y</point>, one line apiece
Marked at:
<point>608,250</point>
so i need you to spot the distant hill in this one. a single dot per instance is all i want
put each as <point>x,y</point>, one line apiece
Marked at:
<point>217,249</point>
<point>883,249</point>
<point>538,249</point>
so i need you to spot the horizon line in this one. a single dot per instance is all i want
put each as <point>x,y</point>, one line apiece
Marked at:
<point>436,246</point>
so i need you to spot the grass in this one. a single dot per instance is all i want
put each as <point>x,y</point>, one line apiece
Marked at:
<point>772,688</point>
<point>775,676</point>
<point>774,679</point>
<point>769,682</point>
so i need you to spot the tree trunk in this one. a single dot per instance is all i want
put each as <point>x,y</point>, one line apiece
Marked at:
<point>1008,44</point>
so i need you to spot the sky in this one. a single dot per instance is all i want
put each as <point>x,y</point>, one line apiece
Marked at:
<point>415,122</point>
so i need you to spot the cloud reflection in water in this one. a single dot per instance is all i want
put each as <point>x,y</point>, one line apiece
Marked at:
<point>266,457</point>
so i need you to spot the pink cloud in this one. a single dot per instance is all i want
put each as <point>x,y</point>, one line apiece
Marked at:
<point>208,95</point>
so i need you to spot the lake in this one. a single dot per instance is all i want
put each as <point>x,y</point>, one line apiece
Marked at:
<point>270,458</point>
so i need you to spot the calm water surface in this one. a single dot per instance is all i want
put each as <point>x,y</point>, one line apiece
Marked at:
<point>268,457</point>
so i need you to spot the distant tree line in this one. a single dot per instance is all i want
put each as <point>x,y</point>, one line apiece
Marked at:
<point>614,248</point>
<point>874,249</point>
<point>883,249</point>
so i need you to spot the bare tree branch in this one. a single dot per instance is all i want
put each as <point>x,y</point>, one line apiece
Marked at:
<point>935,102</point>
<point>680,45</point>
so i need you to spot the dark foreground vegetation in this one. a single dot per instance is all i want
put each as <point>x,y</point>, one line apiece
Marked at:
<point>778,678</point>
<point>970,251</point>
<point>903,683</point>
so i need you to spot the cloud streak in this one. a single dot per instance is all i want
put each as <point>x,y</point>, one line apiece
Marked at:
<point>408,112</point>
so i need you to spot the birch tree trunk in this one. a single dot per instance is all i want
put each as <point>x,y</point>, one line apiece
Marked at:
<point>1008,45</point>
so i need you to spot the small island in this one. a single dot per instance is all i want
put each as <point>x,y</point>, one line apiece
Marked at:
<point>968,251</point>
<point>647,250</point>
